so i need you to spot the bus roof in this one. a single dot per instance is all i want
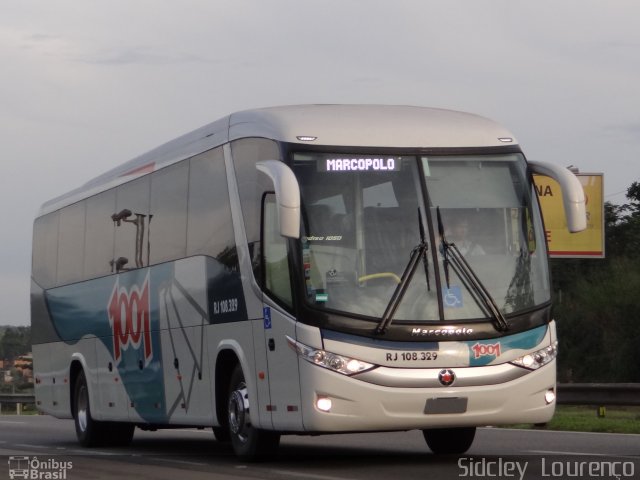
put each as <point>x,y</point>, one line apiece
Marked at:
<point>335,125</point>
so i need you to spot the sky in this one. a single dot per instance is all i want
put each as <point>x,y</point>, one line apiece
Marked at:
<point>86,85</point>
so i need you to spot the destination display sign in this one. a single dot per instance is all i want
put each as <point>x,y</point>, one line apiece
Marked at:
<point>360,163</point>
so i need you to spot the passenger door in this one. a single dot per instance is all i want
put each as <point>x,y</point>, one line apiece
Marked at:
<point>284,382</point>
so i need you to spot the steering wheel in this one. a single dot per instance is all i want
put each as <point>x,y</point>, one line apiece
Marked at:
<point>373,276</point>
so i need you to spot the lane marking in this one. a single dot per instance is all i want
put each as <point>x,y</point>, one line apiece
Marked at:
<point>582,454</point>
<point>9,422</point>
<point>89,452</point>
<point>182,462</point>
<point>307,475</point>
<point>27,445</point>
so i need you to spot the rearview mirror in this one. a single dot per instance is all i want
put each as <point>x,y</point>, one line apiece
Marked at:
<point>287,196</point>
<point>573,198</point>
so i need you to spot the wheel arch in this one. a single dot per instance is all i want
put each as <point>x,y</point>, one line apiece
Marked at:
<point>78,364</point>
<point>226,361</point>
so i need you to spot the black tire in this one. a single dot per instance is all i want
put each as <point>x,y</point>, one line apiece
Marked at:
<point>118,434</point>
<point>222,434</point>
<point>449,441</point>
<point>90,432</point>
<point>249,444</point>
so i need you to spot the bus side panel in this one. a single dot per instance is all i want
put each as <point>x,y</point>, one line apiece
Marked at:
<point>55,380</point>
<point>43,377</point>
<point>183,321</point>
<point>53,354</point>
<point>112,401</point>
<point>284,382</point>
<point>121,311</point>
<point>43,336</point>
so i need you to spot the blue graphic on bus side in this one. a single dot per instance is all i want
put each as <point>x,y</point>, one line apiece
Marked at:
<point>484,352</point>
<point>123,312</point>
<point>266,311</point>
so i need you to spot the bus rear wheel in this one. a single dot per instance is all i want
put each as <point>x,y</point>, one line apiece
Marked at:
<point>449,440</point>
<point>249,443</point>
<point>90,432</point>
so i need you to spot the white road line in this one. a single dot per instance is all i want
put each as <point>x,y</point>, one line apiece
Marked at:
<point>28,445</point>
<point>289,473</point>
<point>182,462</point>
<point>89,453</point>
<point>581,454</point>
<point>9,422</point>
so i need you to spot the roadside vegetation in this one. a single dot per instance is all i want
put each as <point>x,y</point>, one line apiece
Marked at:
<point>15,369</point>
<point>592,419</point>
<point>597,303</point>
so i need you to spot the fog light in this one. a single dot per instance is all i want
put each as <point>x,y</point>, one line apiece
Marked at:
<point>549,396</point>
<point>323,404</point>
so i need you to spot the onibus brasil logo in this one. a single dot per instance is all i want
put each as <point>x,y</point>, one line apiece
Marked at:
<point>35,469</point>
<point>130,320</point>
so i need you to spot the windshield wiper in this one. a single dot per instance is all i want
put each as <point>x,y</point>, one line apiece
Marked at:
<point>418,252</point>
<point>452,256</point>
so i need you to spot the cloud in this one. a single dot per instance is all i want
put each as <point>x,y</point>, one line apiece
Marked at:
<point>138,56</point>
<point>626,131</point>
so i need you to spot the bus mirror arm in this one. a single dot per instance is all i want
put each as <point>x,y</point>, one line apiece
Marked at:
<point>573,197</point>
<point>287,196</point>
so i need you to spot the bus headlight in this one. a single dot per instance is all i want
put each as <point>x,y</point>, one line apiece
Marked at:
<point>332,361</point>
<point>539,358</point>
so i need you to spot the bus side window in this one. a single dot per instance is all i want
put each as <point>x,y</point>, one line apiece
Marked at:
<point>45,250</point>
<point>251,186</point>
<point>71,230</point>
<point>131,220</point>
<point>277,280</point>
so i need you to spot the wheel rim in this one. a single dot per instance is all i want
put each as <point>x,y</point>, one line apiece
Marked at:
<point>81,408</point>
<point>239,423</point>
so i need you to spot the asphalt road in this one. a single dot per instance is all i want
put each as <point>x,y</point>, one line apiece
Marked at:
<point>49,444</point>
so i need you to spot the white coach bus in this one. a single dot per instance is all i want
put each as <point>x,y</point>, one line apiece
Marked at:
<point>302,270</point>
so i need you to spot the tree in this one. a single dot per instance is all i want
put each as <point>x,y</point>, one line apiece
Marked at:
<point>16,341</point>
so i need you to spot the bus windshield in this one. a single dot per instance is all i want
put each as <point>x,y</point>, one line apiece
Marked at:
<point>363,216</point>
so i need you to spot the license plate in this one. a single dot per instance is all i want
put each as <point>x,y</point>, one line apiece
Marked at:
<point>443,405</point>
<point>422,356</point>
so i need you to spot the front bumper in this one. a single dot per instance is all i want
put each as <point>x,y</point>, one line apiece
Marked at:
<point>359,406</point>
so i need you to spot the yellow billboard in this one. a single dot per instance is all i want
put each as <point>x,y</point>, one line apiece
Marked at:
<point>562,244</point>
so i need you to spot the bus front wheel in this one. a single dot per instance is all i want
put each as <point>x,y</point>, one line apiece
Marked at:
<point>449,440</point>
<point>249,443</point>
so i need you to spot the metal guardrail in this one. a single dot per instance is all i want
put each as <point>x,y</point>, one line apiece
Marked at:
<point>567,394</point>
<point>15,398</point>
<point>598,394</point>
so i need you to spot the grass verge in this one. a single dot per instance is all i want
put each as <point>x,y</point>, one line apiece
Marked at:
<point>588,419</point>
